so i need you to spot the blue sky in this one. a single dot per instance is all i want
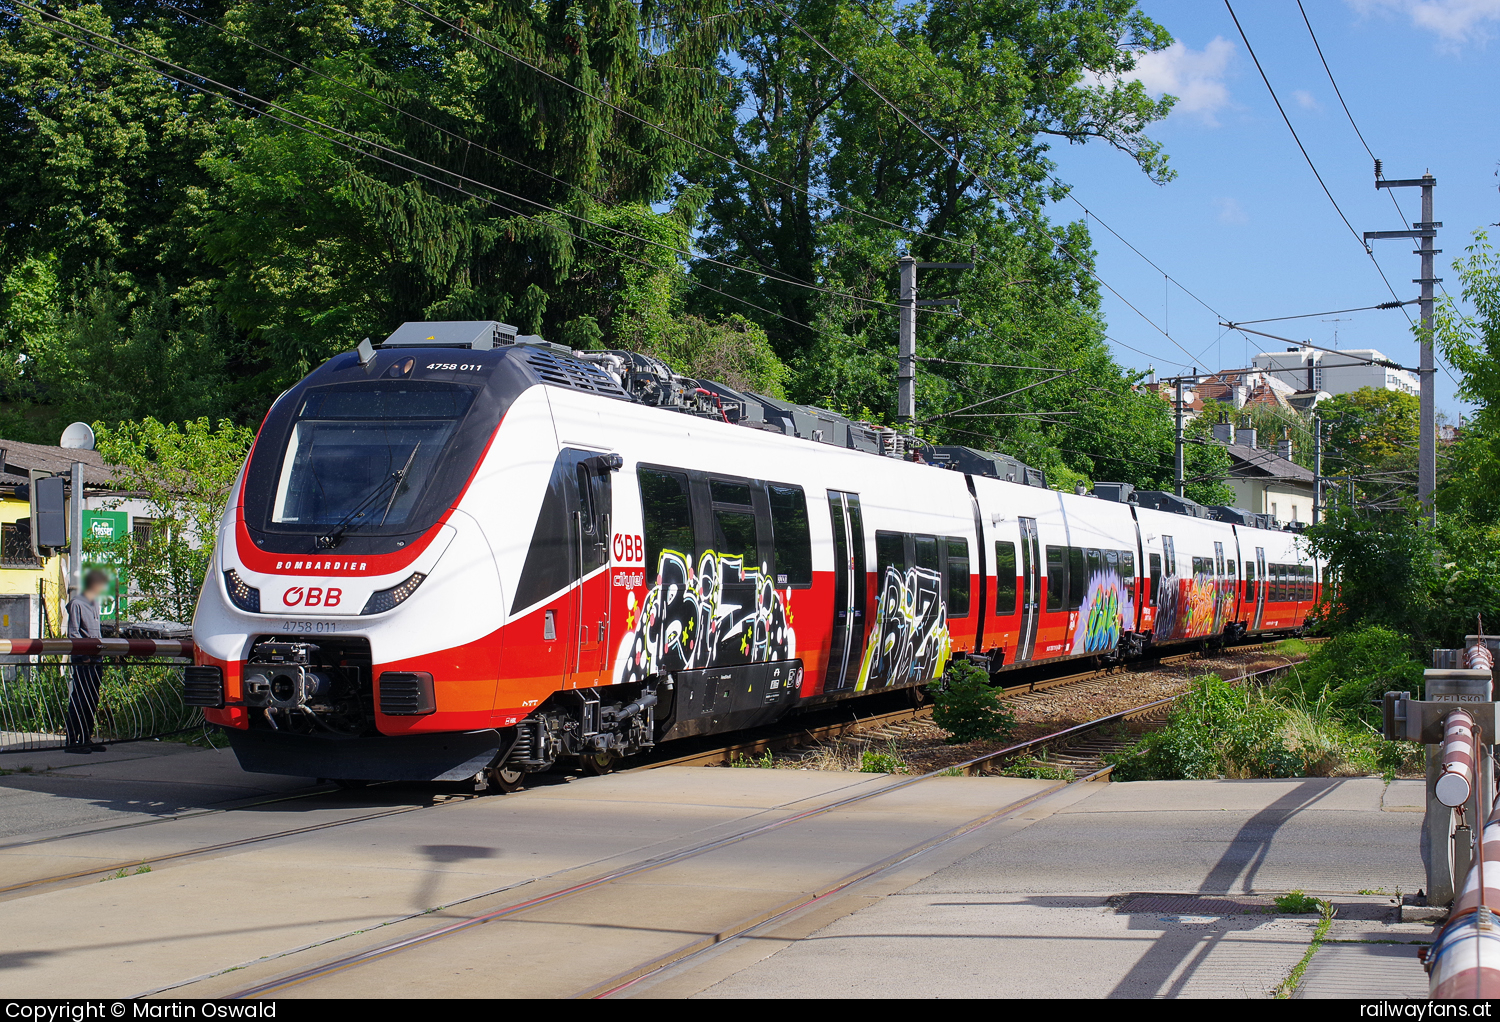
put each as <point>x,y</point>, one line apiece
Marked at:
<point>1245,226</point>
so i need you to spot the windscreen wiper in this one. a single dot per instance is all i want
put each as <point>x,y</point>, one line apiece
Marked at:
<point>352,521</point>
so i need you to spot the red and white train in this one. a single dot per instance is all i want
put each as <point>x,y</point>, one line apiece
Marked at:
<point>469,553</point>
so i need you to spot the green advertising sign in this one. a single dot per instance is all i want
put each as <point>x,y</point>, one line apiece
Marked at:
<point>104,535</point>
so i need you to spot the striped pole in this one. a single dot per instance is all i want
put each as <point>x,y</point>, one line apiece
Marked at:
<point>1464,961</point>
<point>1479,658</point>
<point>98,647</point>
<point>1456,783</point>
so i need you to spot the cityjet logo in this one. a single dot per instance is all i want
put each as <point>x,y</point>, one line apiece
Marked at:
<point>312,596</point>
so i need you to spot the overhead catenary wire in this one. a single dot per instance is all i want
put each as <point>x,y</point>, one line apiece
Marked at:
<point>1303,149</point>
<point>1088,213</point>
<point>959,161</point>
<point>459,28</point>
<point>302,127</point>
<point>1039,415</point>
<point>441,170</point>
<point>1390,192</point>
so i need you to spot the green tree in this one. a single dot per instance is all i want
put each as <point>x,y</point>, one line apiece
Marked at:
<point>184,473</point>
<point>830,185</point>
<point>1372,435</point>
<point>1472,344</point>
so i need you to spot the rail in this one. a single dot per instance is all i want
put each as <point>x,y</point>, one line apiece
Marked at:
<point>749,747</point>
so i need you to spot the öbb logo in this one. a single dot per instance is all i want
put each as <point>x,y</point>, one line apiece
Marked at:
<point>314,596</point>
<point>628,548</point>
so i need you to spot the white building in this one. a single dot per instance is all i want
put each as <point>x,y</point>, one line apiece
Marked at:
<point>1335,372</point>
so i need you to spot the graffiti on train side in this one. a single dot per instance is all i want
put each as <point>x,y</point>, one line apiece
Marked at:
<point>687,619</point>
<point>1194,606</point>
<point>910,640</point>
<point>1108,604</point>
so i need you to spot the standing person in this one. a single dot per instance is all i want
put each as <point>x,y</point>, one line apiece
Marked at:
<point>83,697</point>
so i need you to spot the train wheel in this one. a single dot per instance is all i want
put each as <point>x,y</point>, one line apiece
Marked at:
<point>505,779</point>
<point>597,766</point>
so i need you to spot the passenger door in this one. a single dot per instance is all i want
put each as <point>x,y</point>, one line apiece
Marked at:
<point>1030,588</point>
<point>847,646</point>
<point>591,495</point>
<point>1260,584</point>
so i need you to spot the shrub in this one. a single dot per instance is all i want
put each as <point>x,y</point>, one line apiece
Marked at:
<point>872,762</point>
<point>967,707</point>
<point>1350,671</point>
<point>1297,902</point>
<point>1216,730</point>
<point>1220,730</point>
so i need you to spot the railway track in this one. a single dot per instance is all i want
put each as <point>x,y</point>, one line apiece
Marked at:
<point>1080,749</point>
<point>196,851</point>
<point>893,725</point>
<point>1083,742</point>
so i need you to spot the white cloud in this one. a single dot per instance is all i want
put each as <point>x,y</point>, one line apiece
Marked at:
<point>1453,21</point>
<point>1195,77</point>
<point>1231,212</point>
<point>1306,100</point>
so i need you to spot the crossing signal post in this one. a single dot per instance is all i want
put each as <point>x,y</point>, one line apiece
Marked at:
<point>1425,231</point>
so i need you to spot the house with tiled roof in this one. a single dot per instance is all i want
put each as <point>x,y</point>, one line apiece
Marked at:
<point>32,589</point>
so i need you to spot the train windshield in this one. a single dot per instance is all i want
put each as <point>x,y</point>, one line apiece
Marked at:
<point>361,454</point>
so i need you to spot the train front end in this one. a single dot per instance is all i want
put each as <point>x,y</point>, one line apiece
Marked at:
<point>349,624</point>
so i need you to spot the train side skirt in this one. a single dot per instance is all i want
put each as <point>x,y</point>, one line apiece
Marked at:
<point>448,756</point>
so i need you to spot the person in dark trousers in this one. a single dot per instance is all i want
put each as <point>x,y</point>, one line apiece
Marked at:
<point>83,697</point>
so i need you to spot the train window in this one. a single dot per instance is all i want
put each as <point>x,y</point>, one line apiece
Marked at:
<point>667,512</point>
<point>1005,578</point>
<point>1229,569</point>
<point>734,536</point>
<point>1078,577</point>
<point>890,552</point>
<point>927,552</point>
<point>1307,583</point>
<point>958,577</point>
<point>1095,561</point>
<point>792,539</point>
<point>1155,578</point>
<point>1127,566</point>
<point>730,492</point>
<point>1169,557</point>
<point>585,501</point>
<point>1202,566</point>
<point>352,440</point>
<point>1057,578</point>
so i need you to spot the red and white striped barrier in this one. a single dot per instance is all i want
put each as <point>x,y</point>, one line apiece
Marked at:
<point>1456,783</point>
<point>98,647</point>
<point>1464,962</point>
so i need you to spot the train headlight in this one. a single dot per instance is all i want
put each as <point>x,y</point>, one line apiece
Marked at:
<point>380,602</point>
<point>241,593</point>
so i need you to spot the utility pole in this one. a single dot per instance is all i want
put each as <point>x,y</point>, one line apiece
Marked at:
<point>1426,231</point>
<point>906,351</point>
<point>906,367</point>
<point>1177,459</point>
<point>1317,468</point>
<point>75,531</point>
